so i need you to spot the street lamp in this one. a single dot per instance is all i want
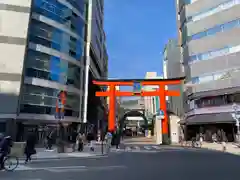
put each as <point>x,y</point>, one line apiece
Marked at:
<point>236,116</point>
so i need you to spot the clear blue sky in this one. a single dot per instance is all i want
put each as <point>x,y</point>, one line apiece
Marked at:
<point>137,31</point>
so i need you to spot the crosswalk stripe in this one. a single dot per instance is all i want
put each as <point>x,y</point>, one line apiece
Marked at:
<point>156,147</point>
<point>136,148</point>
<point>147,147</point>
<point>128,149</point>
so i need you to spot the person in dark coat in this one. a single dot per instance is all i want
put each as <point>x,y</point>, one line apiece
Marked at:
<point>1,137</point>
<point>5,149</point>
<point>118,138</point>
<point>30,146</point>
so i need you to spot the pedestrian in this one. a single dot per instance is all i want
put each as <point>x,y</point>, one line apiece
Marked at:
<point>50,140</point>
<point>5,149</point>
<point>30,147</point>
<point>90,138</point>
<point>117,138</point>
<point>1,137</point>
<point>74,140</point>
<point>201,139</point>
<point>80,142</point>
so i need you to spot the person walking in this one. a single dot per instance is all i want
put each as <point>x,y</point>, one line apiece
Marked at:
<point>80,142</point>
<point>1,137</point>
<point>74,140</point>
<point>30,147</point>
<point>50,140</point>
<point>118,138</point>
<point>5,149</point>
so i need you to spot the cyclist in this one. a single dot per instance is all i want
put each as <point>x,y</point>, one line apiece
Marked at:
<point>5,149</point>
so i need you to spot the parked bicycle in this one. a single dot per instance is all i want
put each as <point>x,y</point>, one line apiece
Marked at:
<point>10,163</point>
<point>185,144</point>
<point>196,144</point>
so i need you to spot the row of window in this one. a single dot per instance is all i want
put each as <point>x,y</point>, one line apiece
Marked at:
<point>213,54</point>
<point>38,109</point>
<point>41,33</point>
<point>35,95</point>
<point>213,10</point>
<point>189,1</point>
<point>216,29</point>
<point>214,76</point>
<point>61,14</point>
<point>216,101</point>
<point>36,99</point>
<point>52,68</point>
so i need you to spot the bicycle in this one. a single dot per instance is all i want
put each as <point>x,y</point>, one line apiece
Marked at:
<point>185,144</point>
<point>10,163</point>
<point>196,144</point>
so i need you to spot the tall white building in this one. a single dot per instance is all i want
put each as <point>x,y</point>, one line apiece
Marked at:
<point>151,103</point>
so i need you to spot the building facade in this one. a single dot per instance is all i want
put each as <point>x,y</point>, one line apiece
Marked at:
<point>96,64</point>
<point>173,68</point>
<point>209,35</point>
<point>41,50</point>
<point>151,104</point>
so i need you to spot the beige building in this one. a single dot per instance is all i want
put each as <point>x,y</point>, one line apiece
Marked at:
<point>151,103</point>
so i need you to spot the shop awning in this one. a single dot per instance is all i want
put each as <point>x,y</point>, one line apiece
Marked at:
<point>224,117</point>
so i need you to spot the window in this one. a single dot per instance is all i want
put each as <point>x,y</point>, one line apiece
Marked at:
<point>193,58</point>
<point>195,80</point>
<point>213,10</point>
<point>189,1</point>
<point>215,53</point>
<point>230,25</point>
<point>204,79</point>
<point>198,36</point>
<point>41,100</point>
<point>214,30</point>
<point>52,68</point>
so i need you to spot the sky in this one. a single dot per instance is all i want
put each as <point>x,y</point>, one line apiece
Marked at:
<point>136,32</point>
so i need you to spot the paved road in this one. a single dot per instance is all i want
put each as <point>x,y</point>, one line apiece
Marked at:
<point>146,148</point>
<point>167,165</point>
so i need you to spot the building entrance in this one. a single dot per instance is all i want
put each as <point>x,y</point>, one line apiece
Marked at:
<point>137,84</point>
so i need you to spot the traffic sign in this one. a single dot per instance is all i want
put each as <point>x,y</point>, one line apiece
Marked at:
<point>160,114</point>
<point>137,87</point>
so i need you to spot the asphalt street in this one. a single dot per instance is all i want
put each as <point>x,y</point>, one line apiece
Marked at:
<point>167,165</point>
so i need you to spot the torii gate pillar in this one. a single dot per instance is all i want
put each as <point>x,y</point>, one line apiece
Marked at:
<point>161,92</point>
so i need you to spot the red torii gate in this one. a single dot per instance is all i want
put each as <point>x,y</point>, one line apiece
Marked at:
<point>160,91</point>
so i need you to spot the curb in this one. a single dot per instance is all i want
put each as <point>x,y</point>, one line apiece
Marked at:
<point>66,157</point>
<point>209,149</point>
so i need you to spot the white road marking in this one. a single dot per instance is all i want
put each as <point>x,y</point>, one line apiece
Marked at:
<point>27,168</point>
<point>128,148</point>
<point>86,169</point>
<point>136,148</point>
<point>156,147</point>
<point>147,147</point>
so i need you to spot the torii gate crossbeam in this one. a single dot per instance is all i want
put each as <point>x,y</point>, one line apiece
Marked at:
<point>160,91</point>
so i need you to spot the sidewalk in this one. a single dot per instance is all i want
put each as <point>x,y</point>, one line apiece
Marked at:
<point>230,147</point>
<point>43,154</point>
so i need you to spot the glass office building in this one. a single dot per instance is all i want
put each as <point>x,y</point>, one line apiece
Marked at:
<point>41,47</point>
<point>209,34</point>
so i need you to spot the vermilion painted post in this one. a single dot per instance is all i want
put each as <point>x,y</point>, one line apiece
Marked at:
<point>161,92</point>
<point>112,103</point>
<point>163,107</point>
